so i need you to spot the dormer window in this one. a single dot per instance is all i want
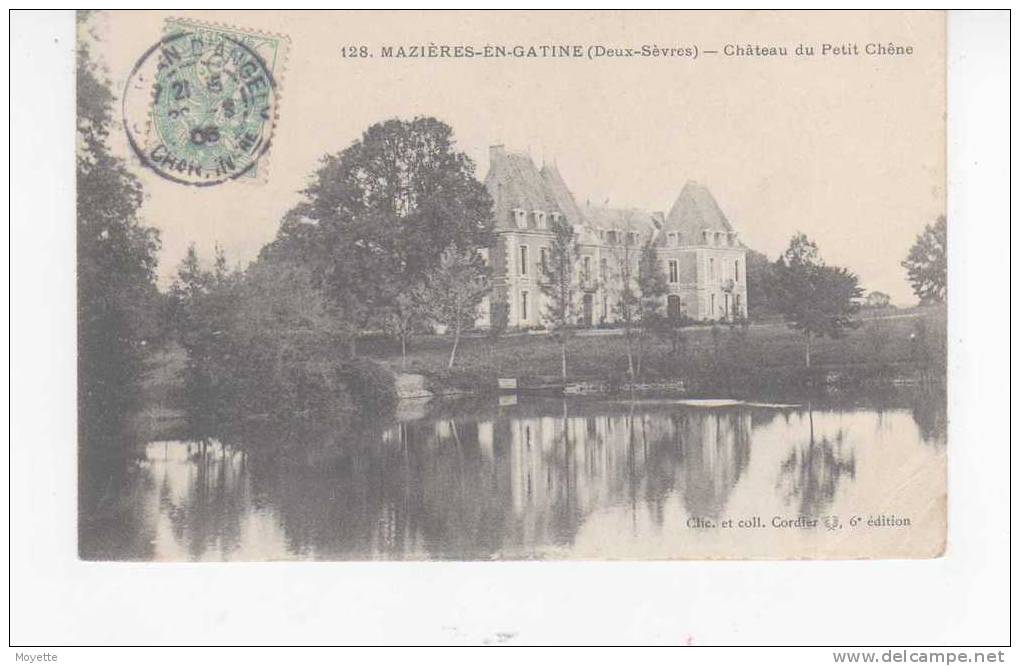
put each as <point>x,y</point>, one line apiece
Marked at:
<point>520,218</point>
<point>556,217</point>
<point>539,219</point>
<point>704,237</point>
<point>611,237</point>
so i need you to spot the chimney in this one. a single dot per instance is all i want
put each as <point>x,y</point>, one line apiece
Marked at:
<point>496,152</point>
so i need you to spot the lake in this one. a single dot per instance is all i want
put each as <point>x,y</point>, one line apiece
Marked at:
<point>521,478</point>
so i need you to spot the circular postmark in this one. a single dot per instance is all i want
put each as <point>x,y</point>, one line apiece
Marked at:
<point>199,108</point>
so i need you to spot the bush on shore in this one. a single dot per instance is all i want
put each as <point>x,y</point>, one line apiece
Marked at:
<point>371,385</point>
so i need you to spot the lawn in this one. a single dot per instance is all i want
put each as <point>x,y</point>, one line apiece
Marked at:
<point>764,359</point>
<point>895,345</point>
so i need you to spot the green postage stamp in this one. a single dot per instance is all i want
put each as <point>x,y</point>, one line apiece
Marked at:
<point>200,105</point>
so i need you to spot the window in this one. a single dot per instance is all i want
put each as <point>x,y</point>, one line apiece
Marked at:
<point>711,269</point>
<point>612,238</point>
<point>522,265</point>
<point>736,270</point>
<point>711,307</point>
<point>539,219</point>
<point>586,262</point>
<point>704,237</point>
<point>603,269</point>
<point>737,305</point>
<point>674,271</point>
<point>543,258</point>
<point>520,218</point>
<point>524,306</point>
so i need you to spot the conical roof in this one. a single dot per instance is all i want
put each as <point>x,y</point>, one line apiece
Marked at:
<point>557,189</point>
<point>694,211</point>
<point>513,182</point>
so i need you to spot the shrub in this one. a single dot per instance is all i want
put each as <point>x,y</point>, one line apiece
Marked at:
<point>371,385</point>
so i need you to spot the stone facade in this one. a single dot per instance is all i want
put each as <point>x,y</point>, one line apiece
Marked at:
<point>702,258</point>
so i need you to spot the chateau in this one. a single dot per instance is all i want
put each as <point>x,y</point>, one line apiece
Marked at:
<point>702,258</point>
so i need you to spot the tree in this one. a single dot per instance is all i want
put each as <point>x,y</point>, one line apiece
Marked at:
<point>628,299</point>
<point>499,320</point>
<point>404,316</point>
<point>453,291</point>
<point>653,287</point>
<point>117,295</point>
<point>815,299</point>
<point>559,286</point>
<point>302,241</point>
<point>387,207</point>
<point>761,298</point>
<point>207,301</point>
<point>877,300</point>
<point>926,263</point>
<point>258,341</point>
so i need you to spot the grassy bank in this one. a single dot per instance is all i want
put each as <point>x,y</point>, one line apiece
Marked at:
<point>891,347</point>
<point>765,359</point>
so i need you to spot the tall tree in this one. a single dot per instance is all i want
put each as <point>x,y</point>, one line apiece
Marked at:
<point>207,301</point>
<point>117,296</point>
<point>815,299</point>
<point>388,206</point>
<point>926,263</point>
<point>404,317</point>
<point>628,299</point>
<point>653,287</point>
<point>302,241</point>
<point>559,285</point>
<point>453,291</point>
<point>761,298</point>
<point>499,321</point>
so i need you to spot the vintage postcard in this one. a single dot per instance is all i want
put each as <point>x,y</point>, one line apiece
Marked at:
<point>511,285</point>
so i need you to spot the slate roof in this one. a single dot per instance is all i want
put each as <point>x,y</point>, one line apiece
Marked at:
<point>624,219</point>
<point>694,211</point>
<point>560,193</point>
<point>514,182</point>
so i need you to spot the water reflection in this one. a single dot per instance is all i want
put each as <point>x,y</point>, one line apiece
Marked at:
<point>813,471</point>
<point>541,478</point>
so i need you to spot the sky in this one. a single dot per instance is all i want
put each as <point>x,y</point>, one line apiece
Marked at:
<point>849,150</point>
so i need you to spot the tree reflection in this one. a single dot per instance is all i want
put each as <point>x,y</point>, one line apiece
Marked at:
<point>112,523</point>
<point>495,484</point>
<point>472,483</point>
<point>810,475</point>
<point>206,504</point>
<point>716,450</point>
<point>929,409</point>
